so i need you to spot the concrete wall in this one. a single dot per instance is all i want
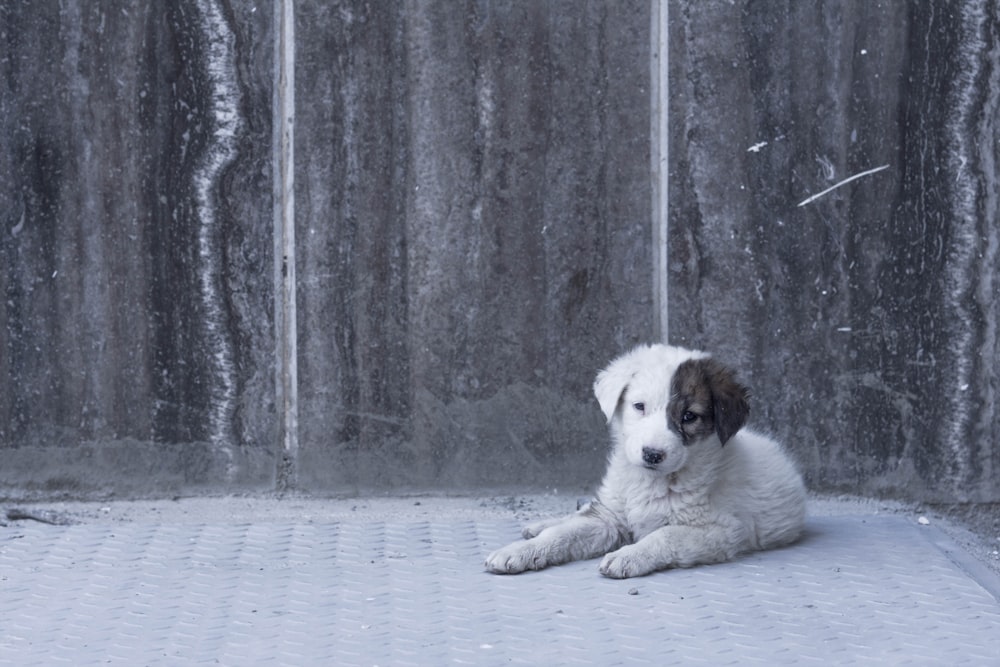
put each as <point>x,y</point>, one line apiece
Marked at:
<point>137,270</point>
<point>346,247</point>
<point>472,204</point>
<point>867,319</point>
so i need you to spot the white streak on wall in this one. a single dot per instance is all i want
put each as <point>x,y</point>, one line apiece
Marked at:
<point>970,128</point>
<point>659,160</point>
<point>284,239</point>
<point>223,112</point>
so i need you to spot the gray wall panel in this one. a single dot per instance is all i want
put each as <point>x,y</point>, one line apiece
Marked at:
<point>473,190</point>
<point>135,189</point>
<point>865,319</point>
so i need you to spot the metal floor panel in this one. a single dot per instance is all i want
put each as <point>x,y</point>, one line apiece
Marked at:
<point>855,590</point>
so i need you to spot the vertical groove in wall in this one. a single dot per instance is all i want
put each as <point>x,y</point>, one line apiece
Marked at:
<point>286,356</point>
<point>659,159</point>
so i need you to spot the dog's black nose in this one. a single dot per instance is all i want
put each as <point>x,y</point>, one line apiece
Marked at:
<point>651,456</point>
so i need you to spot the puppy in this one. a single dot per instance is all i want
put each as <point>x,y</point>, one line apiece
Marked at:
<point>686,484</point>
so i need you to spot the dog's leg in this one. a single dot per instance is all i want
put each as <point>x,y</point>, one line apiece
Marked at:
<point>536,527</point>
<point>676,546</point>
<point>586,534</point>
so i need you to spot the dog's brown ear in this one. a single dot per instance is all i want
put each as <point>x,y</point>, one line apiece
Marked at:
<point>612,381</point>
<point>730,400</point>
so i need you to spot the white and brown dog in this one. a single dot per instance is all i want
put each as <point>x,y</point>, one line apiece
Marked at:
<point>686,484</point>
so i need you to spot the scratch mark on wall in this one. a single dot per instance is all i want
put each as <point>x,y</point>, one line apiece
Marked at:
<point>847,180</point>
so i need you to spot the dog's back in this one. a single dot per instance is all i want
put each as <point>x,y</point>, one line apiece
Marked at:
<point>759,485</point>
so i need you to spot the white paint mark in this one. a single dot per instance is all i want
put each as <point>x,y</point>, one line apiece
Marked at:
<point>844,329</point>
<point>19,226</point>
<point>756,147</point>
<point>828,171</point>
<point>841,183</point>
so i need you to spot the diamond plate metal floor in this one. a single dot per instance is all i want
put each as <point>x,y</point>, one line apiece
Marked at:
<point>855,590</point>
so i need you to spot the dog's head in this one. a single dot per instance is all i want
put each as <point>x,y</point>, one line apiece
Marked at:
<point>662,400</point>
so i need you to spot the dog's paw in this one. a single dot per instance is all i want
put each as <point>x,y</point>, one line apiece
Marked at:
<point>629,561</point>
<point>515,558</point>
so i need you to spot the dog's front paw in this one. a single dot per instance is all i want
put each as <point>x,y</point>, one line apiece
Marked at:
<point>515,558</point>
<point>629,561</point>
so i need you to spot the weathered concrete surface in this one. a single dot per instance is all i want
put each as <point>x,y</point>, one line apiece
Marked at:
<point>473,198</point>
<point>136,263</point>
<point>865,320</point>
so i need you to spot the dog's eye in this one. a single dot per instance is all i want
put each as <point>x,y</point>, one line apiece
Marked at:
<point>688,417</point>
<point>640,408</point>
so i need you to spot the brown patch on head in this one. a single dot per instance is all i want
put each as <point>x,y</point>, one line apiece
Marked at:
<point>705,398</point>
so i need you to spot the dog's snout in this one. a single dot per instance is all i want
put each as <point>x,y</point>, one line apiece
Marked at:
<point>652,456</point>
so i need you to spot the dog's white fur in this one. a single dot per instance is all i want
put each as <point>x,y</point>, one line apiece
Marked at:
<point>685,483</point>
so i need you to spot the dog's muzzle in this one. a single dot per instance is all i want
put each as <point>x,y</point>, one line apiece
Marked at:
<point>652,457</point>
